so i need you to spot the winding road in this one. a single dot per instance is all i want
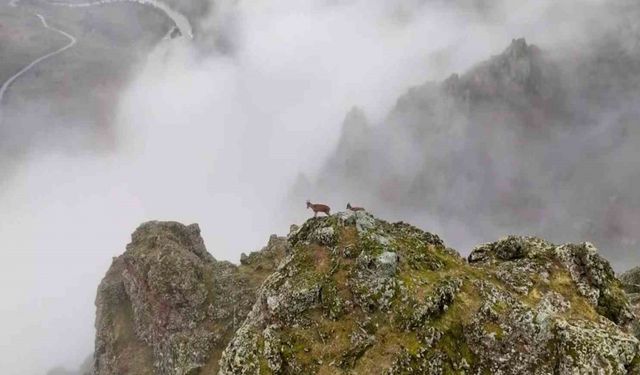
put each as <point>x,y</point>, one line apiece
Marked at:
<point>181,22</point>
<point>179,19</point>
<point>72,41</point>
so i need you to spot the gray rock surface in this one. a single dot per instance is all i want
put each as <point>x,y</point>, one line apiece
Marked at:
<point>352,294</point>
<point>166,306</point>
<point>523,306</point>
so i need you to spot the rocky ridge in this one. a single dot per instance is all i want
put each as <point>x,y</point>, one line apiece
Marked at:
<point>351,293</point>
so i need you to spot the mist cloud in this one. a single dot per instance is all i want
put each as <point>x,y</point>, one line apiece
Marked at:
<point>218,136</point>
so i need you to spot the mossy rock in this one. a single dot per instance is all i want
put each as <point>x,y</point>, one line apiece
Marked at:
<point>344,304</point>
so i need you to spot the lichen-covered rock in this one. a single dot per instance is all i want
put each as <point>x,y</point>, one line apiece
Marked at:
<point>352,294</point>
<point>519,261</point>
<point>166,306</point>
<point>118,350</point>
<point>363,296</point>
<point>631,281</point>
<point>631,284</point>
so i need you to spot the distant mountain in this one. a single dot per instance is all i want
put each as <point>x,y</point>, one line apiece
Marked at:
<point>530,140</point>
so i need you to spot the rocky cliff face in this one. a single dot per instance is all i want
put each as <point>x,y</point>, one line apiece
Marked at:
<point>166,306</point>
<point>351,293</point>
<point>631,284</point>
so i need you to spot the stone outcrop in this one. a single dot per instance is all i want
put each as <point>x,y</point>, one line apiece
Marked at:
<point>350,293</point>
<point>359,295</point>
<point>166,306</point>
<point>516,259</point>
<point>631,283</point>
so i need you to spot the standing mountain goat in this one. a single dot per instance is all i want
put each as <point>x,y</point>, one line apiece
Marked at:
<point>318,208</point>
<point>354,209</point>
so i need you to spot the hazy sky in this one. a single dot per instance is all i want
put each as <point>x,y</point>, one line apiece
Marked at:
<point>217,137</point>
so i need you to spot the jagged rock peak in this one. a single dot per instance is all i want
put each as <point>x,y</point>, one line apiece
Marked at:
<point>519,73</point>
<point>350,293</point>
<point>360,295</point>
<point>154,232</point>
<point>519,49</point>
<point>355,117</point>
<point>517,257</point>
<point>354,129</point>
<point>519,61</point>
<point>166,306</point>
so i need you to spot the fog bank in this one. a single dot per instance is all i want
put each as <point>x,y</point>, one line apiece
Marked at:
<point>217,132</point>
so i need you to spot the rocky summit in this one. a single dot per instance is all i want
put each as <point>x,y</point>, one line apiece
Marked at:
<point>166,306</point>
<point>353,294</point>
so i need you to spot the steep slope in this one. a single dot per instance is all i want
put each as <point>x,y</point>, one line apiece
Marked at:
<point>166,306</point>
